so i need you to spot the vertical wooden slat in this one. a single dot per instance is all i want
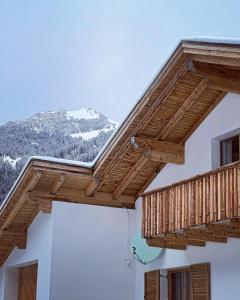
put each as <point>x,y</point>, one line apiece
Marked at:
<point>235,195</point>
<point>227,202</point>
<point>193,203</point>
<point>149,216</point>
<point>190,201</point>
<point>223,193</point>
<point>157,214</point>
<point>219,196</point>
<point>200,197</point>
<point>207,206</point>
<point>215,197</point>
<point>204,199</point>
<point>164,212</point>
<point>238,188</point>
<point>143,217</point>
<point>211,199</point>
<point>230,180</point>
<point>167,204</point>
<point>152,214</point>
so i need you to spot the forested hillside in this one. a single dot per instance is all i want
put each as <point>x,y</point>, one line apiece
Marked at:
<point>76,135</point>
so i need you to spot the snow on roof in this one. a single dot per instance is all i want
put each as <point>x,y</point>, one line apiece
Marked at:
<point>88,165</point>
<point>212,40</point>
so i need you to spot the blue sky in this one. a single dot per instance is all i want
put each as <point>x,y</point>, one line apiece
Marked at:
<point>70,54</point>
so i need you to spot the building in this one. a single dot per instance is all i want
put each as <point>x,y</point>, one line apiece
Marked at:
<point>171,171</point>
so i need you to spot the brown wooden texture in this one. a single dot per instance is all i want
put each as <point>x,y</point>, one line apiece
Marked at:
<point>152,285</point>
<point>27,282</point>
<point>201,282</point>
<point>195,210</point>
<point>201,200</point>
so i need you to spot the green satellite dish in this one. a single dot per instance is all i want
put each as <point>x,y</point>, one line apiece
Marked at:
<point>142,252</point>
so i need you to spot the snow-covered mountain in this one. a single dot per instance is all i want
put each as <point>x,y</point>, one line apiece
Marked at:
<point>76,135</point>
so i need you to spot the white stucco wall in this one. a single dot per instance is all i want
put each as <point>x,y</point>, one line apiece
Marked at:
<point>224,258</point>
<point>39,242</point>
<point>89,248</point>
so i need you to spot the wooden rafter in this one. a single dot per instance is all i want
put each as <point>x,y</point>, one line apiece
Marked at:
<point>43,205</point>
<point>18,238</point>
<point>98,179</point>
<point>30,186</point>
<point>79,196</point>
<point>133,172</point>
<point>189,102</point>
<point>59,182</point>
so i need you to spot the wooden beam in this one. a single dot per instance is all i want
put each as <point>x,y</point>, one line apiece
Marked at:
<point>159,151</point>
<point>204,235</point>
<point>220,77</point>
<point>19,238</point>
<point>224,230</point>
<point>57,185</point>
<point>203,117</point>
<point>93,185</point>
<point>129,177</point>
<point>96,184</point>
<point>161,243</point>
<point>30,186</point>
<point>43,205</point>
<point>79,196</point>
<point>181,238</point>
<point>189,102</point>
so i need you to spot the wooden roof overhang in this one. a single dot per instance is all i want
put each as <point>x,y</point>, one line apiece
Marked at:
<point>192,82</point>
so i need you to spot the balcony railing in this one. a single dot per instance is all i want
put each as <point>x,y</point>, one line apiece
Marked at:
<point>208,198</point>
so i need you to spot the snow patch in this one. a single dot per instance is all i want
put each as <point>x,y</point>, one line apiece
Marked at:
<point>11,161</point>
<point>88,135</point>
<point>83,113</point>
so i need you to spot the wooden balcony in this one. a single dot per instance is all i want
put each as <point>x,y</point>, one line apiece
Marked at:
<point>190,212</point>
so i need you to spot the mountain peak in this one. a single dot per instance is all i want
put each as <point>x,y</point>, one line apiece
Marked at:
<point>76,135</point>
<point>83,113</point>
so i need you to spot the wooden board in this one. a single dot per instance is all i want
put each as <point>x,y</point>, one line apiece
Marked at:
<point>201,282</point>
<point>152,285</point>
<point>27,282</point>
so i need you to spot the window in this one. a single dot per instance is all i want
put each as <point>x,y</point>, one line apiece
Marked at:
<point>189,283</point>
<point>180,284</point>
<point>230,150</point>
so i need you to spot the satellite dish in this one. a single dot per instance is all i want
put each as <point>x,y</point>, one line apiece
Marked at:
<point>142,252</point>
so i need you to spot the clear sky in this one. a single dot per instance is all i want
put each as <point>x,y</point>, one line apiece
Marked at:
<point>101,54</point>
